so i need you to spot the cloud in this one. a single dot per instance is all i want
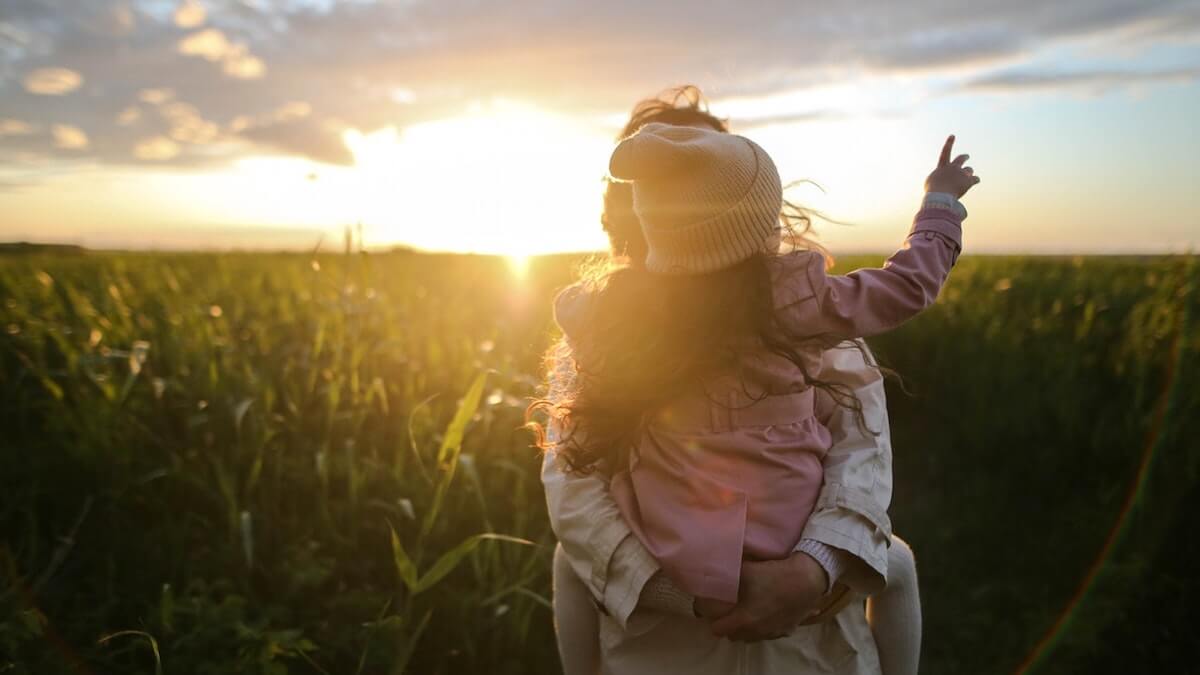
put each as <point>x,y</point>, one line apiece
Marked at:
<point>744,123</point>
<point>243,65</point>
<point>129,116</point>
<point>52,81</point>
<point>189,14</point>
<point>209,43</point>
<point>11,127</point>
<point>1095,80</point>
<point>945,47</point>
<point>156,96</point>
<point>156,149</point>
<point>305,137</point>
<point>120,19</point>
<point>292,110</point>
<point>68,137</point>
<point>235,58</point>
<point>290,76</point>
<point>240,123</point>
<point>187,125</point>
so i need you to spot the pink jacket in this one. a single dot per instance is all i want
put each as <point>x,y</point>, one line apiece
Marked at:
<point>734,472</point>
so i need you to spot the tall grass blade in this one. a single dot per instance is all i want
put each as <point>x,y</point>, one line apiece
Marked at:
<point>158,668</point>
<point>449,560</point>
<point>404,564</point>
<point>447,457</point>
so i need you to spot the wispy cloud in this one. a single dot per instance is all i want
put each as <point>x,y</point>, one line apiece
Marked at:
<point>1092,81</point>
<point>319,140</point>
<point>744,123</point>
<point>156,149</point>
<point>11,127</point>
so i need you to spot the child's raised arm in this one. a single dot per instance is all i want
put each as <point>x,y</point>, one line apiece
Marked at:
<point>871,301</point>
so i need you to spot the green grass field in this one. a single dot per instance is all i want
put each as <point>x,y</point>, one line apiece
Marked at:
<point>219,464</point>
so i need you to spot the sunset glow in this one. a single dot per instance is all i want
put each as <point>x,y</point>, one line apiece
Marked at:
<point>502,178</point>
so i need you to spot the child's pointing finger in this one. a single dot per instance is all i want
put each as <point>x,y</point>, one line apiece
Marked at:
<point>947,148</point>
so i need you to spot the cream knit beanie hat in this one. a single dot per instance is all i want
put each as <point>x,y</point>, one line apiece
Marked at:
<point>706,199</point>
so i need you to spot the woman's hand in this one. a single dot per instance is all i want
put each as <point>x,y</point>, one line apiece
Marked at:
<point>775,595</point>
<point>708,608</point>
<point>951,177</point>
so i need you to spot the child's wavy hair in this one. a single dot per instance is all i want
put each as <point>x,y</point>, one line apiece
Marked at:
<point>651,338</point>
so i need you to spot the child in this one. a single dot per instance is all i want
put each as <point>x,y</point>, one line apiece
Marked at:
<point>697,375</point>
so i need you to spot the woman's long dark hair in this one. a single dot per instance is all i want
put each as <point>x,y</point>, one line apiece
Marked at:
<point>650,338</point>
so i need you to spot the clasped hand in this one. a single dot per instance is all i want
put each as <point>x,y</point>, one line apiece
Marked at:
<point>774,596</point>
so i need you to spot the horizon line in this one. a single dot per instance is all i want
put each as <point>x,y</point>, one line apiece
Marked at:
<point>16,246</point>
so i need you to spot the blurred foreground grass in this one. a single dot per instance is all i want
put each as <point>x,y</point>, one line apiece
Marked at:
<point>279,463</point>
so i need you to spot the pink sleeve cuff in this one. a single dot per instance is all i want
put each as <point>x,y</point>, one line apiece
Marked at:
<point>832,560</point>
<point>940,221</point>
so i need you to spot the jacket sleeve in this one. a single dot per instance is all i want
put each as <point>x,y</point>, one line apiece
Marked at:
<point>851,511</point>
<point>597,542</point>
<point>871,301</point>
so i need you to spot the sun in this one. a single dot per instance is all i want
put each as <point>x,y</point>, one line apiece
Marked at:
<point>503,178</point>
<point>518,265</point>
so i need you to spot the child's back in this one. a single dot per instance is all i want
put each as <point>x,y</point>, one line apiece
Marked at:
<point>731,468</point>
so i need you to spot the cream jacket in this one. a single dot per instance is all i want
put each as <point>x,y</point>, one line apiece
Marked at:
<point>851,515</point>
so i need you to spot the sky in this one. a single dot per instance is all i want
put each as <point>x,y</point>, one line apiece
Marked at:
<point>457,125</point>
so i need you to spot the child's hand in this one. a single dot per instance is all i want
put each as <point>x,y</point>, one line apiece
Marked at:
<point>708,608</point>
<point>949,176</point>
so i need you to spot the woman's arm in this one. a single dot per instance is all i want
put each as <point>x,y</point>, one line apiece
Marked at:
<point>598,544</point>
<point>851,512</point>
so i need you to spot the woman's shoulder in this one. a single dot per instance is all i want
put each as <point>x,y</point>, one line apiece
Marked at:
<point>571,306</point>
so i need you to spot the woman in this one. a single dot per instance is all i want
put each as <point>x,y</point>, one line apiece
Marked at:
<point>648,625</point>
